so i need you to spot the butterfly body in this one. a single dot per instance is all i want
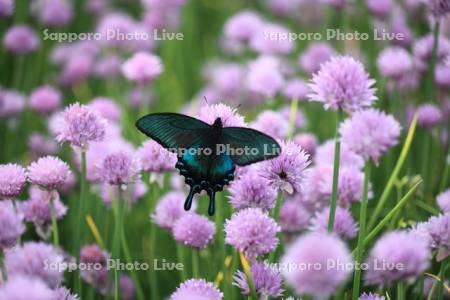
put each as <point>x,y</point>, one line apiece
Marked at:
<point>204,164</point>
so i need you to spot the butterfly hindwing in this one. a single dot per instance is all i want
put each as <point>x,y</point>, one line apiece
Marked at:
<point>249,146</point>
<point>172,130</point>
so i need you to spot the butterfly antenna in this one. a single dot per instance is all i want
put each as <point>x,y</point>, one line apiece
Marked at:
<point>211,207</point>
<point>188,202</point>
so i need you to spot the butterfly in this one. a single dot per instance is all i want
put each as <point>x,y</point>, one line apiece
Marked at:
<point>207,154</point>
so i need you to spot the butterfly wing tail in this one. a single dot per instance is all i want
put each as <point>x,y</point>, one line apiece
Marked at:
<point>190,197</point>
<point>211,207</point>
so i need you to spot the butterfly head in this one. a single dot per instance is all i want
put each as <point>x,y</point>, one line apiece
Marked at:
<point>218,123</point>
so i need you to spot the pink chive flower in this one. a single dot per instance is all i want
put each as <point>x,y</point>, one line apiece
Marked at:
<point>243,26</point>
<point>11,103</point>
<point>397,248</point>
<point>108,67</point>
<point>53,13</point>
<point>169,209</point>
<point>107,108</point>
<point>142,67</point>
<point>77,69</point>
<point>196,289</point>
<point>31,258</point>
<point>11,224</point>
<point>314,56</point>
<point>271,39</point>
<point>80,125</point>
<point>394,62</point>
<point>294,217</point>
<point>423,49</point>
<point>316,249</point>
<point>194,230</point>
<point>325,154</point>
<point>45,99</point>
<point>370,133</point>
<point>379,8</point>
<point>252,232</point>
<point>252,190</point>
<point>127,288</point>
<point>228,115</point>
<point>21,39</point>
<point>442,76</point>
<point>63,293</point>
<point>438,8</point>
<point>344,225</point>
<point>12,180</point>
<point>429,115</point>
<point>437,232</point>
<point>6,8</point>
<point>25,288</point>
<point>307,141</point>
<point>443,200</point>
<point>295,89</point>
<point>300,118</point>
<point>272,123</point>
<point>342,83</point>
<point>286,171</point>
<point>227,78</point>
<point>120,168</point>
<point>97,277</point>
<point>155,158</point>
<point>267,281</point>
<point>48,172</point>
<point>264,76</point>
<point>371,296</point>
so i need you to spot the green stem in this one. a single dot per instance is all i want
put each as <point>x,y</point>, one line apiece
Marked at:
<point>195,265</point>
<point>118,208</point>
<point>440,294</point>
<point>54,222</point>
<point>79,238</point>
<point>394,175</point>
<point>180,255</point>
<point>446,172</point>
<point>292,117</point>
<point>275,215</point>
<point>362,231</point>
<point>153,278</point>
<point>400,290</point>
<point>431,82</point>
<point>337,156</point>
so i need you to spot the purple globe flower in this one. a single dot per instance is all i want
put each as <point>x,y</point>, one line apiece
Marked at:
<point>194,230</point>
<point>48,172</point>
<point>380,8</point>
<point>272,123</point>
<point>251,231</point>
<point>295,89</point>
<point>423,49</point>
<point>11,103</point>
<point>344,225</point>
<point>252,190</point>
<point>407,255</point>
<point>370,133</point>
<point>271,39</point>
<point>371,296</point>
<point>77,69</point>
<point>54,13</point>
<point>294,217</point>
<point>45,99</point>
<point>196,289</point>
<point>120,168</point>
<point>443,200</point>
<point>243,26</point>
<point>267,281</point>
<point>31,259</point>
<point>300,121</point>
<point>226,79</point>
<point>80,125</point>
<point>338,4</point>
<point>155,158</point>
<point>127,288</point>
<point>228,115</point>
<point>21,39</point>
<point>438,8</point>
<point>169,209</point>
<point>25,288</point>
<point>307,141</point>
<point>394,62</point>
<point>119,22</point>
<point>318,250</point>
<point>12,179</point>
<point>142,67</point>
<point>286,171</point>
<point>37,210</point>
<point>264,77</point>
<point>442,76</point>
<point>106,107</point>
<point>325,155</point>
<point>63,293</point>
<point>11,224</point>
<point>314,56</point>
<point>108,67</point>
<point>437,233</point>
<point>429,115</point>
<point>97,275</point>
<point>6,8</point>
<point>343,83</point>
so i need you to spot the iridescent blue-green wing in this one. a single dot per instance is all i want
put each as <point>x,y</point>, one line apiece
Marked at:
<point>248,146</point>
<point>172,130</point>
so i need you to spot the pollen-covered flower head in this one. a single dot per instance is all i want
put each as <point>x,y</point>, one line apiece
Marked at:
<point>80,125</point>
<point>286,171</point>
<point>120,168</point>
<point>370,133</point>
<point>394,62</point>
<point>406,252</point>
<point>252,232</point>
<point>11,224</point>
<point>252,190</point>
<point>316,249</point>
<point>342,83</point>
<point>48,172</point>
<point>12,179</point>
<point>197,289</point>
<point>344,225</point>
<point>142,67</point>
<point>267,281</point>
<point>228,115</point>
<point>31,259</point>
<point>443,200</point>
<point>155,158</point>
<point>194,230</point>
<point>169,209</point>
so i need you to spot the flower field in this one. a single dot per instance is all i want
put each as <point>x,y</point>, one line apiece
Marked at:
<point>102,101</point>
